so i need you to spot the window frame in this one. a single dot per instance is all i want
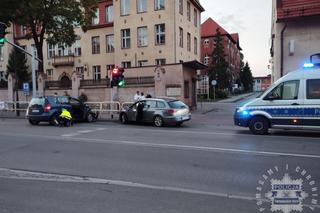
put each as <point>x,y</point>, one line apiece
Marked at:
<point>181,37</point>
<point>125,39</point>
<point>110,47</point>
<point>140,8</point>
<point>158,6</point>
<point>96,71</point>
<point>143,37</point>
<point>95,45</point>
<point>124,11</point>
<point>109,16</point>
<point>189,42</point>
<point>160,34</point>
<point>181,7</point>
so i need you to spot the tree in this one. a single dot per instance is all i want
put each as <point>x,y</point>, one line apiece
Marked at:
<point>246,77</point>
<point>53,20</point>
<point>218,69</point>
<point>17,66</point>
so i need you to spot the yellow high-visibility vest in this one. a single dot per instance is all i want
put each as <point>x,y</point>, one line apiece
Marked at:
<point>65,114</point>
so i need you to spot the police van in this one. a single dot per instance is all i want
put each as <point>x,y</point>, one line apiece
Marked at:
<point>292,102</point>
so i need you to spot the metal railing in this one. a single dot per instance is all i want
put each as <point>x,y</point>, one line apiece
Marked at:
<point>91,82</point>
<point>57,84</point>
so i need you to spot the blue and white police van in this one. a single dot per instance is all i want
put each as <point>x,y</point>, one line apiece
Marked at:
<point>292,102</point>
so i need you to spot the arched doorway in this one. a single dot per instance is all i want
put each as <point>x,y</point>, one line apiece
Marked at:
<point>65,82</point>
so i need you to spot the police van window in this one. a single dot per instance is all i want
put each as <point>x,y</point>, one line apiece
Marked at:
<point>285,91</point>
<point>313,89</point>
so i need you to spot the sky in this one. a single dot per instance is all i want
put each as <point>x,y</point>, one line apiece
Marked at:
<point>252,20</point>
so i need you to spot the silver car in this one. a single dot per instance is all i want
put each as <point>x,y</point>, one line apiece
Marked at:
<point>159,111</point>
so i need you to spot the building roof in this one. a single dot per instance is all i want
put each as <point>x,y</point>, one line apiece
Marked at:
<point>209,28</point>
<point>197,4</point>
<point>291,9</point>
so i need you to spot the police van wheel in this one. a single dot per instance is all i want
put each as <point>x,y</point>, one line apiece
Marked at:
<point>259,126</point>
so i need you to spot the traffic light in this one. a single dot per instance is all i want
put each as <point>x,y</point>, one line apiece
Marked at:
<point>117,77</point>
<point>3,28</point>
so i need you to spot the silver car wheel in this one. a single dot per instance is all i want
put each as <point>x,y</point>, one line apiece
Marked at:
<point>158,121</point>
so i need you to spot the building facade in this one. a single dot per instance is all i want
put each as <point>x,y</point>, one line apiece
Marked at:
<point>231,46</point>
<point>295,34</point>
<point>133,34</point>
<point>261,83</point>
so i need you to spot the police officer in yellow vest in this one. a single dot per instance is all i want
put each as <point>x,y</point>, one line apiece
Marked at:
<point>65,118</point>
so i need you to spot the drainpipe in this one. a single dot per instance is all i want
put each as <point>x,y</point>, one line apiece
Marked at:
<point>281,62</point>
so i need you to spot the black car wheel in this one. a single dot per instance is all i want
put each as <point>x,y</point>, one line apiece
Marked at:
<point>123,118</point>
<point>259,126</point>
<point>90,118</point>
<point>158,121</point>
<point>54,120</point>
<point>32,122</point>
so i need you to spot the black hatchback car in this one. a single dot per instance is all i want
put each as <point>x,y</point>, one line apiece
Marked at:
<point>47,109</point>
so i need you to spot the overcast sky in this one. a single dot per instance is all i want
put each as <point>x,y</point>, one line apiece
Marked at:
<point>252,20</point>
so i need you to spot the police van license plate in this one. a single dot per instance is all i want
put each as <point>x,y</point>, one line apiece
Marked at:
<point>35,110</point>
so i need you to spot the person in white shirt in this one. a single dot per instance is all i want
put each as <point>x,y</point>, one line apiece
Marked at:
<point>136,96</point>
<point>142,96</point>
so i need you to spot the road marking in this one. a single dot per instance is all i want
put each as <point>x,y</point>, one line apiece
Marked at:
<point>52,177</point>
<point>79,132</point>
<point>173,146</point>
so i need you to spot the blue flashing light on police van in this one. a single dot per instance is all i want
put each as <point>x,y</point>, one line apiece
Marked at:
<point>308,65</point>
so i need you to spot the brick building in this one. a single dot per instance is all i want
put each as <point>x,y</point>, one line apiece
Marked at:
<point>295,34</point>
<point>231,50</point>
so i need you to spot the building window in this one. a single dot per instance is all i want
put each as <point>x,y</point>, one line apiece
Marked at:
<point>109,68</point>
<point>159,4</point>
<point>143,63</point>
<point>195,18</point>
<point>95,43</point>
<point>181,7</point>
<point>80,71</point>
<point>77,48</point>
<point>96,72</point>
<point>141,6</point>
<point>195,41</point>
<point>203,85</point>
<point>206,59</point>
<point>110,43</point>
<point>124,7</point>
<point>126,64</point>
<point>180,37</point>
<point>313,89</point>
<point>142,36</point>
<point>49,73</point>
<point>206,42</point>
<point>186,89</point>
<point>109,14</point>
<point>160,34</point>
<point>188,42</point>
<point>95,18</point>
<point>161,61</point>
<point>125,38</point>
<point>1,52</point>
<point>189,11</point>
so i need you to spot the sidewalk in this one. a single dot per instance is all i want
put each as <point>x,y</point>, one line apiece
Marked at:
<point>236,98</point>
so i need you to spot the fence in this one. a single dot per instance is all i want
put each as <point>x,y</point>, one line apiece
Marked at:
<point>103,108</point>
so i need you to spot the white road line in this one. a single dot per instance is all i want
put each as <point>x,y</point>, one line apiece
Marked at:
<point>79,132</point>
<point>172,146</point>
<point>51,177</point>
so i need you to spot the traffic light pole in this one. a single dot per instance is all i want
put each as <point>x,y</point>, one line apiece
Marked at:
<point>33,66</point>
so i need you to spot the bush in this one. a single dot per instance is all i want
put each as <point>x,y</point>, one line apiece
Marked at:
<point>221,94</point>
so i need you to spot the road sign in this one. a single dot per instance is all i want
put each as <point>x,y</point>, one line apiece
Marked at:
<point>26,88</point>
<point>214,82</point>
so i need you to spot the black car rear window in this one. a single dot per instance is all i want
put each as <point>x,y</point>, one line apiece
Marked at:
<point>37,101</point>
<point>177,104</point>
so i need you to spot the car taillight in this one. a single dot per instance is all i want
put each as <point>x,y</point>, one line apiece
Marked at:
<point>47,108</point>
<point>171,111</point>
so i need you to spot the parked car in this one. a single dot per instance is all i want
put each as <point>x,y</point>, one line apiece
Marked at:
<point>159,111</point>
<point>46,109</point>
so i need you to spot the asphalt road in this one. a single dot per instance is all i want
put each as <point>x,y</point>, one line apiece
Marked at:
<point>207,165</point>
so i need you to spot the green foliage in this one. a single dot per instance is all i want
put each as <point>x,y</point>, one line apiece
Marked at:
<point>246,77</point>
<point>218,69</point>
<point>17,66</point>
<point>50,19</point>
